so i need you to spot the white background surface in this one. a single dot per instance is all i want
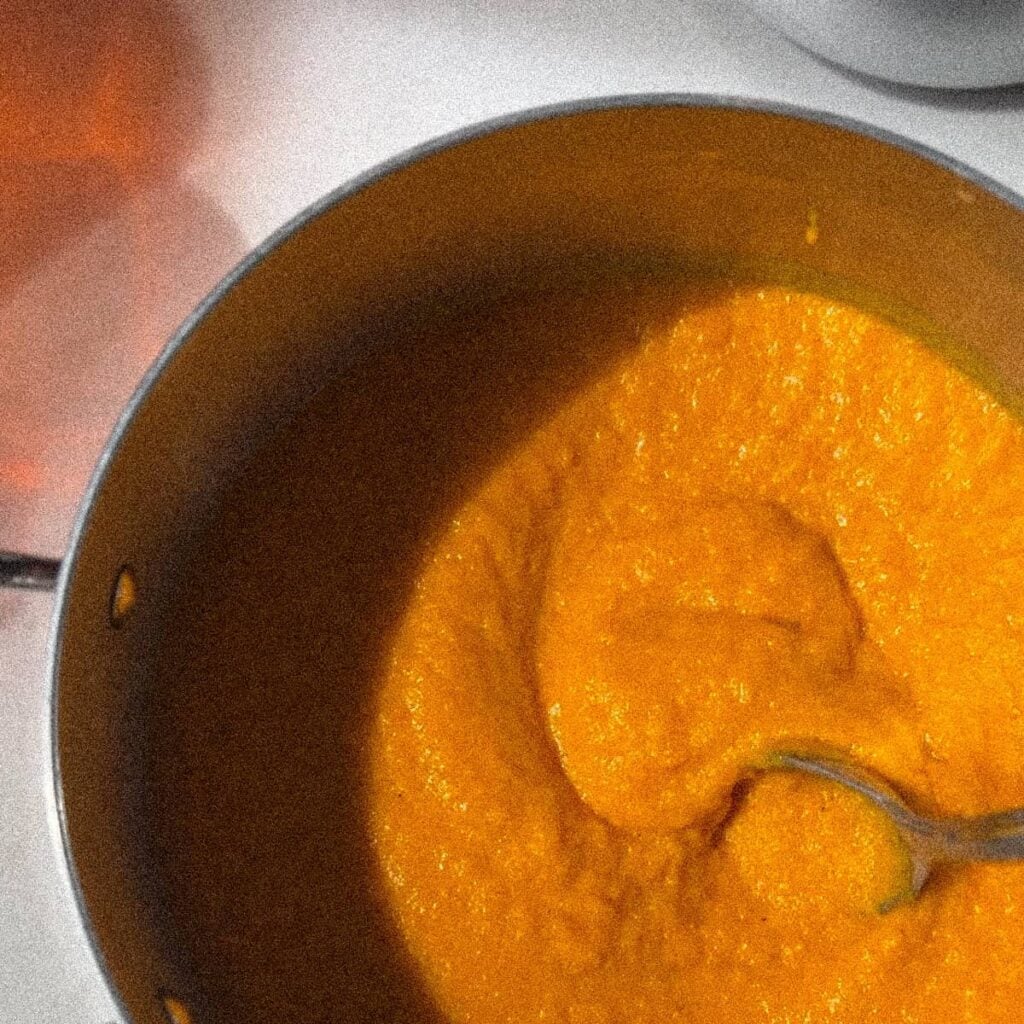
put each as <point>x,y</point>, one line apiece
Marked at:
<point>245,112</point>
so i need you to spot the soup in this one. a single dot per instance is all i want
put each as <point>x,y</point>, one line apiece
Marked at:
<point>764,520</point>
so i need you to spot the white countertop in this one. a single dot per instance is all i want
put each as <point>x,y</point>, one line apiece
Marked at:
<point>272,104</point>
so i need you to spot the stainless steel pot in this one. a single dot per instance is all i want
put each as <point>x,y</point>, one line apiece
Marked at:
<point>212,829</point>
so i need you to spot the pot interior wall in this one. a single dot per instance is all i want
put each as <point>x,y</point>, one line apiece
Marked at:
<point>275,486</point>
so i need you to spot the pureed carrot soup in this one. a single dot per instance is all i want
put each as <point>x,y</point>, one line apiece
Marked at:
<point>779,522</point>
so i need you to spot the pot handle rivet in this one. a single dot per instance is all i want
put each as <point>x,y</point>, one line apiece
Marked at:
<point>124,596</point>
<point>175,1010</point>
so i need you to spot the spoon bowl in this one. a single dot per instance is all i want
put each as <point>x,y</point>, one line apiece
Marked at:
<point>929,841</point>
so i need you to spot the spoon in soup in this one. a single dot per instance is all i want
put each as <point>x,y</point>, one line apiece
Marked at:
<point>929,842</point>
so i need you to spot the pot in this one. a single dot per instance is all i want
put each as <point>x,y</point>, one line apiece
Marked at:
<point>945,44</point>
<point>249,532</point>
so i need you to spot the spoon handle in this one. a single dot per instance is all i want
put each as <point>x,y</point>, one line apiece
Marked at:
<point>860,780</point>
<point>989,837</point>
<point>992,837</point>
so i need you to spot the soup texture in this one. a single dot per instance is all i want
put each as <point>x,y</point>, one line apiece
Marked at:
<point>776,522</point>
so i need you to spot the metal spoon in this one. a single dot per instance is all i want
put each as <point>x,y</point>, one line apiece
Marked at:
<point>929,841</point>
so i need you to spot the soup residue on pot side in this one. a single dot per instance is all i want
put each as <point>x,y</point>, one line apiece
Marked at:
<point>779,520</point>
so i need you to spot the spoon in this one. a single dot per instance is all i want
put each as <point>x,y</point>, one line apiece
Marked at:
<point>929,841</point>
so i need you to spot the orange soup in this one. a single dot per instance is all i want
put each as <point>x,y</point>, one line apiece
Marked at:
<point>778,522</point>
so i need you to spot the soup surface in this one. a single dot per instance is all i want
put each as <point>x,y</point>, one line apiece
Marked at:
<point>771,521</point>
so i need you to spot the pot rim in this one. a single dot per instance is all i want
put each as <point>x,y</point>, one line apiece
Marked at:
<point>56,810</point>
